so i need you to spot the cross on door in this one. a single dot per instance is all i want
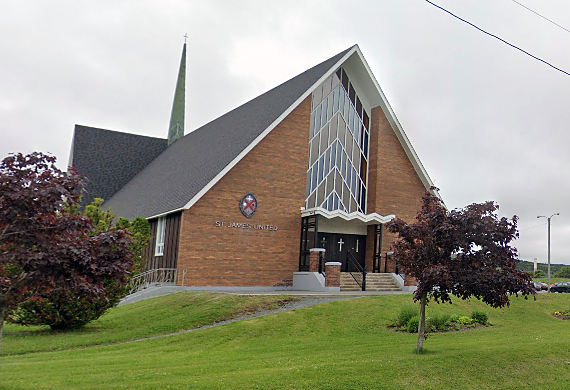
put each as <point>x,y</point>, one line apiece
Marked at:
<point>340,244</point>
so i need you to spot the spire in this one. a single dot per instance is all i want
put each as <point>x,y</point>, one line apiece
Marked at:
<point>176,128</point>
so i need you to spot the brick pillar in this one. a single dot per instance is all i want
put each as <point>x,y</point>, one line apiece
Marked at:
<point>410,281</point>
<point>314,256</point>
<point>332,270</point>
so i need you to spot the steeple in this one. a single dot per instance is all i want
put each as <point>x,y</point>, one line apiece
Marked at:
<point>176,128</point>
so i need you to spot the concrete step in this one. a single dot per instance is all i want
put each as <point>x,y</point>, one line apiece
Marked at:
<point>374,282</point>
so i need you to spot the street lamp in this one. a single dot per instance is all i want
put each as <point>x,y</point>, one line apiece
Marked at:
<point>548,218</point>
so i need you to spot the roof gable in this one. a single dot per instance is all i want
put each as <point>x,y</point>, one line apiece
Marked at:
<point>110,159</point>
<point>189,167</point>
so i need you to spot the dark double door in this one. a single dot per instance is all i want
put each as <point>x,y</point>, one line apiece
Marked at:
<point>337,245</point>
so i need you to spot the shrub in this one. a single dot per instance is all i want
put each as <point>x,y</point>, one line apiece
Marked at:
<point>413,324</point>
<point>454,318</point>
<point>464,320</point>
<point>404,316</point>
<point>66,309</point>
<point>438,322</point>
<point>538,274</point>
<point>63,308</point>
<point>480,317</point>
<point>563,273</point>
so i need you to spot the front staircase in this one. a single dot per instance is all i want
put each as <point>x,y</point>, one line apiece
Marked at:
<point>374,282</point>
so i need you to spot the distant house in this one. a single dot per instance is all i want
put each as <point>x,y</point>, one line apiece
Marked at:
<point>319,161</point>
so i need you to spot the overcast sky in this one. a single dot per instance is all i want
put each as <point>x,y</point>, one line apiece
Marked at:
<point>487,121</point>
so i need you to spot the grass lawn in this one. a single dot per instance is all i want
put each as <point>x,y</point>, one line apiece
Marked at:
<point>552,280</point>
<point>164,315</point>
<point>337,345</point>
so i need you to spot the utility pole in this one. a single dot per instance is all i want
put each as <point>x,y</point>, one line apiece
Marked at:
<point>548,218</point>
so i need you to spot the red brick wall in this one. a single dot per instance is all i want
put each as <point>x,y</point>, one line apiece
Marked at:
<point>275,172</point>
<point>394,186</point>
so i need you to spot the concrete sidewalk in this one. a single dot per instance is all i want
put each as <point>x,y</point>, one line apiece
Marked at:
<point>157,291</point>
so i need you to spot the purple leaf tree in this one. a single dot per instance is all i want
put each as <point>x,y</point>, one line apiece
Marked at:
<point>44,243</point>
<point>460,253</point>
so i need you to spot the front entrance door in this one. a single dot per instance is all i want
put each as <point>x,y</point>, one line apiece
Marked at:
<point>338,244</point>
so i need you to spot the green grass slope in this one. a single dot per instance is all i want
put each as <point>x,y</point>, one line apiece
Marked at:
<point>337,345</point>
<point>153,317</point>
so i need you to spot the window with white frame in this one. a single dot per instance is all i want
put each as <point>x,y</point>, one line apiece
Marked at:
<point>160,233</point>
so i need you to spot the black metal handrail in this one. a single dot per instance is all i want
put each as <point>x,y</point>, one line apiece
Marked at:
<point>351,261</point>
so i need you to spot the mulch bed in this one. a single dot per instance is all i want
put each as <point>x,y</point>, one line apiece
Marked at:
<point>449,328</point>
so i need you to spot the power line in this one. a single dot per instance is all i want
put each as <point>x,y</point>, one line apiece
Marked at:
<point>532,227</point>
<point>500,39</point>
<point>524,6</point>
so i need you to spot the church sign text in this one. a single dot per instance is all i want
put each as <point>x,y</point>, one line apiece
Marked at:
<point>246,225</point>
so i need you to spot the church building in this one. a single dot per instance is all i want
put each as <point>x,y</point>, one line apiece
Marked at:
<point>320,161</point>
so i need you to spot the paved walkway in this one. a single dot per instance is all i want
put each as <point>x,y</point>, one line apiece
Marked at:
<point>164,290</point>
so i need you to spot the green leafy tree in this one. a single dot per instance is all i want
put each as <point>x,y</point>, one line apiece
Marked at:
<point>138,227</point>
<point>464,253</point>
<point>44,246</point>
<point>62,309</point>
<point>102,219</point>
<point>563,273</point>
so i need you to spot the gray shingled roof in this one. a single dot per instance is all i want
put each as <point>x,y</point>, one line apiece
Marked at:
<point>187,166</point>
<point>110,159</point>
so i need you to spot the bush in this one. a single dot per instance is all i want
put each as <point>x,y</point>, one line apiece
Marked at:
<point>438,322</point>
<point>72,308</point>
<point>454,318</point>
<point>408,320</point>
<point>66,309</point>
<point>480,317</point>
<point>538,274</point>
<point>404,316</point>
<point>562,313</point>
<point>563,273</point>
<point>464,320</point>
<point>413,323</point>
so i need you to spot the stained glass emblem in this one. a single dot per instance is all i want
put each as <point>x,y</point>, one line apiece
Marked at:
<point>248,205</point>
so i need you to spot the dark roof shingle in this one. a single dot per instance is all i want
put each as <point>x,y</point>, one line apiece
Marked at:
<point>110,159</point>
<point>188,165</point>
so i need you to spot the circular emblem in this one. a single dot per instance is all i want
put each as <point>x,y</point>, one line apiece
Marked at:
<point>248,205</point>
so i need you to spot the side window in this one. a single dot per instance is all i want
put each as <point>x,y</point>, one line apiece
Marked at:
<point>160,233</point>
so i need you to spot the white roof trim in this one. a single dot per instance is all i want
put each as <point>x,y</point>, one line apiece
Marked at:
<point>404,141</point>
<point>165,213</point>
<point>368,219</point>
<point>398,129</point>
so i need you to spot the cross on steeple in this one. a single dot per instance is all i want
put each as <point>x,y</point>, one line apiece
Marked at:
<point>185,37</point>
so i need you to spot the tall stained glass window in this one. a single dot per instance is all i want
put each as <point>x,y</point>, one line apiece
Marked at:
<point>338,147</point>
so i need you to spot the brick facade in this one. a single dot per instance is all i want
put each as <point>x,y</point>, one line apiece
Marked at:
<point>275,172</point>
<point>222,255</point>
<point>394,186</point>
